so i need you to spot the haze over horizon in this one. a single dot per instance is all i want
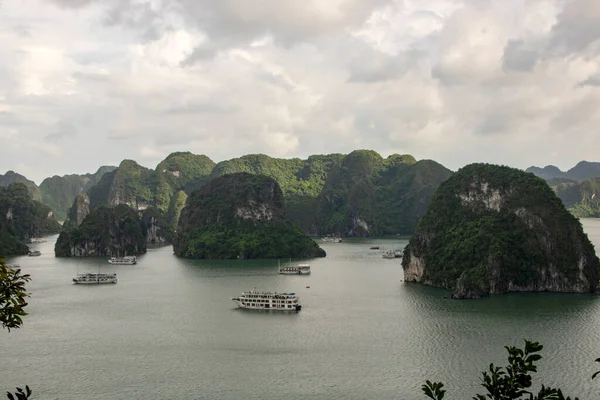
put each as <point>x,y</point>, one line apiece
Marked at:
<point>85,83</point>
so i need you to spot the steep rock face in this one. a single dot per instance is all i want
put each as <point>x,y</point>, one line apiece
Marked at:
<point>105,231</point>
<point>22,218</point>
<point>58,192</point>
<point>240,216</point>
<point>141,188</point>
<point>492,230</point>
<point>369,195</point>
<point>79,210</point>
<point>175,207</point>
<point>155,224</point>
<point>129,184</point>
<point>581,198</point>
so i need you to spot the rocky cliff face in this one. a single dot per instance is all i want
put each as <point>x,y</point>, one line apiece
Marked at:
<point>105,231</point>
<point>79,210</point>
<point>58,192</point>
<point>240,216</point>
<point>157,229</point>
<point>492,230</point>
<point>22,218</point>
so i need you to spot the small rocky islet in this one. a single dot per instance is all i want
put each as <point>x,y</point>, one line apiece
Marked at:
<point>491,230</point>
<point>240,216</point>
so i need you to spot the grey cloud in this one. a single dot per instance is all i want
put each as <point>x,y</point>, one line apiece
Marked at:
<point>204,52</point>
<point>63,130</point>
<point>577,27</point>
<point>73,3</point>
<point>229,22</point>
<point>517,57</point>
<point>590,81</point>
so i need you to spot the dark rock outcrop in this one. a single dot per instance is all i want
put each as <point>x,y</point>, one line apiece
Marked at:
<point>157,229</point>
<point>493,230</point>
<point>240,216</point>
<point>105,231</point>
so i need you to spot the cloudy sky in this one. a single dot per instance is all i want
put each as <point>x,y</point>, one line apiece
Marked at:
<point>90,82</point>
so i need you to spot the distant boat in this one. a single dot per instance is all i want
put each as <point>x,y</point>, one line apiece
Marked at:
<point>37,240</point>
<point>332,239</point>
<point>300,269</point>
<point>95,279</point>
<point>34,253</point>
<point>268,301</point>
<point>389,254</point>
<point>374,247</point>
<point>127,260</point>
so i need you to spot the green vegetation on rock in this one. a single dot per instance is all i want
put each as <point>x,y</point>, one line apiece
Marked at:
<point>177,204</point>
<point>22,218</point>
<point>369,195</point>
<point>492,229</point>
<point>58,192</point>
<point>105,231</point>
<point>12,177</point>
<point>240,216</point>
<point>581,198</point>
<point>357,194</point>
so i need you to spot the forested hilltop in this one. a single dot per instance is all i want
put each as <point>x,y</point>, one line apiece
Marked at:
<point>240,216</point>
<point>492,229</point>
<point>358,194</point>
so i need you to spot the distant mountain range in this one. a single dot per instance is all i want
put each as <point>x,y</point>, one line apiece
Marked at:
<point>356,194</point>
<point>578,188</point>
<point>582,171</point>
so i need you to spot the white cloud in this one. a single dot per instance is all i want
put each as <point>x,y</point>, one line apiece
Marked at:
<point>453,80</point>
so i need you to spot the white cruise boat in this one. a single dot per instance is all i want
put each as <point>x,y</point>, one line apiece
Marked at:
<point>127,260</point>
<point>95,279</point>
<point>389,254</point>
<point>300,269</point>
<point>332,239</point>
<point>37,240</point>
<point>268,301</point>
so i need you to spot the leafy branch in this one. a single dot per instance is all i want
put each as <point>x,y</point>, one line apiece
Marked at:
<point>510,382</point>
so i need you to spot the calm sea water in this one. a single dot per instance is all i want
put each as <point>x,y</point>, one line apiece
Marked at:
<point>169,330</point>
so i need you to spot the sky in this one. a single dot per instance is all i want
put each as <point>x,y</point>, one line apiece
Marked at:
<point>85,83</point>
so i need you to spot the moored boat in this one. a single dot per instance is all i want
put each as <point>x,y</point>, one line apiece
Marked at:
<point>95,279</point>
<point>34,253</point>
<point>127,260</point>
<point>37,240</point>
<point>300,269</point>
<point>374,247</point>
<point>254,300</point>
<point>389,254</point>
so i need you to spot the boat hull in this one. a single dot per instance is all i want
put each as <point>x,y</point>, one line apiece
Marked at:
<point>121,262</point>
<point>294,272</point>
<point>91,282</point>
